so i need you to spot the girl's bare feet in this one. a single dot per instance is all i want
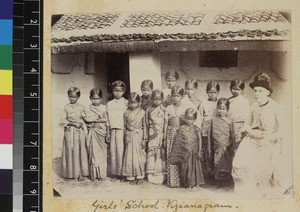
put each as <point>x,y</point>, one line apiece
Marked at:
<point>140,182</point>
<point>133,182</point>
<point>114,179</point>
<point>81,178</point>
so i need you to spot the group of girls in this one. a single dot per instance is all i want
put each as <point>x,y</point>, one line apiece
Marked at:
<point>165,136</point>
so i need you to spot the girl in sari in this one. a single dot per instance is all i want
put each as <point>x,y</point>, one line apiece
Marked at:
<point>96,117</point>
<point>175,118</point>
<point>171,78</point>
<point>155,122</point>
<point>135,136</point>
<point>74,151</point>
<point>146,98</point>
<point>207,111</point>
<point>221,138</point>
<point>257,162</point>
<point>186,151</point>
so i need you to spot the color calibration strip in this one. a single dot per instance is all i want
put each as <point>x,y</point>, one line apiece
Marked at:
<point>6,105</point>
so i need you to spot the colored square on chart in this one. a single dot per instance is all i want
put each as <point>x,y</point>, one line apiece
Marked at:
<point>6,57</point>
<point>6,156</point>
<point>6,202</point>
<point>6,9</point>
<point>6,32</point>
<point>6,82</point>
<point>6,135</point>
<point>6,106</point>
<point>6,183</point>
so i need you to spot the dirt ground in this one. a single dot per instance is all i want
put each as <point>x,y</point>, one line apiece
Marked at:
<point>74,189</point>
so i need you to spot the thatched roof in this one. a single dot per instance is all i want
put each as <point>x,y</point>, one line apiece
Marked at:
<point>145,31</point>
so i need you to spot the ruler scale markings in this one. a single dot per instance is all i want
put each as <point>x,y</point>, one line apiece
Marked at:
<point>32,103</point>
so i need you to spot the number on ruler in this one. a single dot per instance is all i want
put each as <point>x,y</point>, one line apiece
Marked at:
<point>33,45</point>
<point>33,143</point>
<point>33,191</point>
<point>32,94</point>
<point>33,167</point>
<point>33,21</point>
<point>33,70</point>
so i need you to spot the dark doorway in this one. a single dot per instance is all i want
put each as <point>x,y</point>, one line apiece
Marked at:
<point>118,69</point>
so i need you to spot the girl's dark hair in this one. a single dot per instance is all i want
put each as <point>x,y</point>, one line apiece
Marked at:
<point>74,90</point>
<point>212,84</point>
<point>96,91</point>
<point>191,111</point>
<point>192,82</point>
<point>177,90</point>
<point>172,73</point>
<point>157,92</point>
<point>133,96</point>
<point>118,83</point>
<point>223,101</point>
<point>237,83</point>
<point>147,83</point>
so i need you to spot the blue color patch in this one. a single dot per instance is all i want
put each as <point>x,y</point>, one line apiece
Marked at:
<point>6,30</point>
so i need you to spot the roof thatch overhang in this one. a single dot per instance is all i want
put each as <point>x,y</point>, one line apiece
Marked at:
<point>170,31</point>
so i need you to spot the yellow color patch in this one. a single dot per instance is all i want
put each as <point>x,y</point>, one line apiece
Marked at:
<point>6,82</point>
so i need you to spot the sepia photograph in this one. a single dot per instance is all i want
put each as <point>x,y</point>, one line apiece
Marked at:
<point>172,105</point>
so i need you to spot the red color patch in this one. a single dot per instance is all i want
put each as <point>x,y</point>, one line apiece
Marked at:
<point>6,107</point>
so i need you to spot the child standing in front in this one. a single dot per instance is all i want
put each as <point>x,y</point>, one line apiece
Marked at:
<point>146,87</point>
<point>74,152</point>
<point>175,118</point>
<point>221,136</point>
<point>156,157</point>
<point>96,117</point>
<point>207,111</point>
<point>135,140</point>
<point>187,151</point>
<point>239,110</point>
<point>115,111</point>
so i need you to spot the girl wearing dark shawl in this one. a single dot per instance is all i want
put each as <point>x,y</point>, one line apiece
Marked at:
<point>174,115</point>
<point>221,138</point>
<point>186,151</point>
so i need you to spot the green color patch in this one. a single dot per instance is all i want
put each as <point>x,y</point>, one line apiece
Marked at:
<point>6,57</point>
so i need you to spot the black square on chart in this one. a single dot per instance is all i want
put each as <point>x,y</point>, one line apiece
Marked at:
<point>6,202</point>
<point>6,181</point>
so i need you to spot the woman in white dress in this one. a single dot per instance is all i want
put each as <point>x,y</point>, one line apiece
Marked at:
<point>256,165</point>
